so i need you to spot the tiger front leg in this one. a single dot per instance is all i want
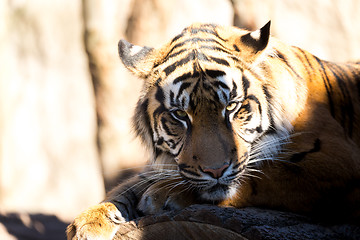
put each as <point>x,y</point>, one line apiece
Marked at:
<point>103,220</point>
<point>166,196</point>
<point>98,222</point>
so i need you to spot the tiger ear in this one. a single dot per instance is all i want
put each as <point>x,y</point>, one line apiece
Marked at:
<point>257,40</point>
<point>139,60</point>
<point>253,43</point>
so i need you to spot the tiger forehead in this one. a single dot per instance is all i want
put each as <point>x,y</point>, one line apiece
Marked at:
<point>210,90</point>
<point>198,30</point>
<point>199,67</point>
<point>200,38</point>
<point>197,49</point>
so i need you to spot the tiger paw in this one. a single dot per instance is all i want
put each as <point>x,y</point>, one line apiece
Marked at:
<point>162,196</point>
<point>98,222</point>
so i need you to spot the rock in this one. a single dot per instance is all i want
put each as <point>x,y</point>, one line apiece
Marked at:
<point>211,222</point>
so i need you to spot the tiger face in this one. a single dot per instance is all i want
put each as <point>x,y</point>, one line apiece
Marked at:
<point>205,107</point>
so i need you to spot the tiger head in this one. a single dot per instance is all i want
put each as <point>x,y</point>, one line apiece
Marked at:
<point>206,107</point>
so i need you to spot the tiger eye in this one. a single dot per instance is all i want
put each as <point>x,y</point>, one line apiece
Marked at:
<point>180,113</point>
<point>231,106</point>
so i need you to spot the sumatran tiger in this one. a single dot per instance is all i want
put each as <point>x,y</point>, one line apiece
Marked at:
<point>238,118</point>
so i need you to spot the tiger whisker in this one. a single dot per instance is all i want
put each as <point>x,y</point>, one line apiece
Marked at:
<point>156,177</point>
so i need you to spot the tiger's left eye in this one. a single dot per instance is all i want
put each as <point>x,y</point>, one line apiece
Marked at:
<point>180,114</point>
<point>231,106</point>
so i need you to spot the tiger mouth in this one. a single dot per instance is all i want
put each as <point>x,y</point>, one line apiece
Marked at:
<point>217,192</point>
<point>218,187</point>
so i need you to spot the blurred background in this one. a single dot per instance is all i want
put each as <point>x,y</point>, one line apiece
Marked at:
<point>66,101</point>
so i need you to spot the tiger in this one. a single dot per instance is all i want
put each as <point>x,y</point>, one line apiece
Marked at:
<point>237,118</point>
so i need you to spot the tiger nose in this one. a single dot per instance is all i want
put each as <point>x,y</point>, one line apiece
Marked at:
<point>217,172</point>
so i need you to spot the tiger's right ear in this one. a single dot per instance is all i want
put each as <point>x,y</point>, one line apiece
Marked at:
<point>139,60</point>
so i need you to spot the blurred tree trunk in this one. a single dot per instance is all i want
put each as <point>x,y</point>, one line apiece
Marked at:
<point>48,158</point>
<point>116,91</point>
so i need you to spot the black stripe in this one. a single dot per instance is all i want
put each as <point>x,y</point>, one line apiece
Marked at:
<point>205,30</point>
<point>183,77</point>
<point>175,54</point>
<point>196,40</point>
<point>183,103</point>
<point>176,143</point>
<point>241,160</point>
<point>172,98</point>
<point>142,120</point>
<point>160,141</point>
<point>214,73</point>
<point>170,143</point>
<point>202,57</point>
<point>244,107</point>
<point>177,37</point>
<point>233,93</point>
<point>244,139</point>
<point>165,127</point>
<point>225,96</point>
<point>255,99</point>
<point>159,95</point>
<point>269,97</point>
<point>248,118</point>
<point>245,84</point>
<point>177,154</point>
<point>347,108</point>
<point>214,41</point>
<point>182,88</point>
<point>220,61</point>
<point>135,198</point>
<point>169,69</point>
<point>155,114</point>
<point>236,48</point>
<point>158,152</point>
<point>219,84</point>
<point>210,29</point>
<point>183,168</point>
<point>297,157</point>
<point>328,86</point>
<point>307,61</point>
<point>186,76</point>
<point>117,202</point>
<point>284,60</point>
<point>215,48</point>
<point>157,82</point>
<point>257,129</point>
<point>190,173</point>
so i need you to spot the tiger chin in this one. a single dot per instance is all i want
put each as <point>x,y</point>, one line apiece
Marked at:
<point>238,118</point>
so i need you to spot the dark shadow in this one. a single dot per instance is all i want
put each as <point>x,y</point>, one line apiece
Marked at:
<point>123,176</point>
<point>33,226</point>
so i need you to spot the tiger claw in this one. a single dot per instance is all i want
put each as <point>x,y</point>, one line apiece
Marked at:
<point>99,222</point>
